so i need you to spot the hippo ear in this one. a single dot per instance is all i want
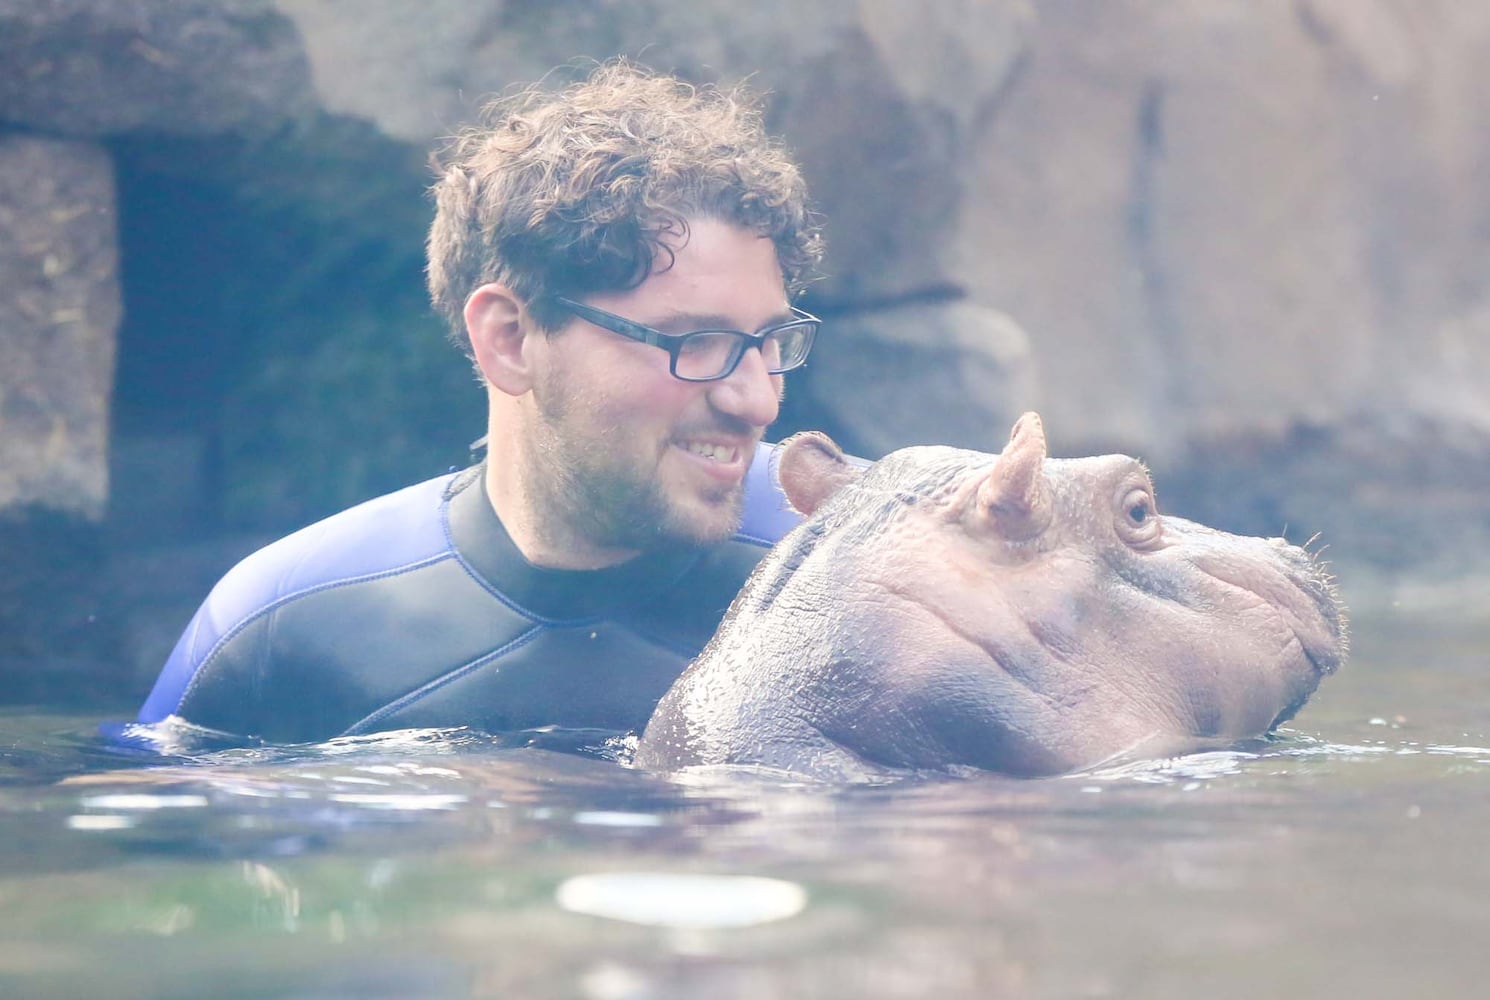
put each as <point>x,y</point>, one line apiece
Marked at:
<point>811,467</point>
<point>1014,495</point>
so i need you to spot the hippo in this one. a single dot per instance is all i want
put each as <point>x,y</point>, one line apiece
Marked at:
<point>948,610</point>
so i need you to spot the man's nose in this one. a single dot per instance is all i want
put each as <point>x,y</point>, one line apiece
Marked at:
<point>749,392</point>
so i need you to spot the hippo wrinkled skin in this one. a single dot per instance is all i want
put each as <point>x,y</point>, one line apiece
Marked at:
<point>1016,613</point>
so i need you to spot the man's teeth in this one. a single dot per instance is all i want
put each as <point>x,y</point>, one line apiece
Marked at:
<point>715,452</point>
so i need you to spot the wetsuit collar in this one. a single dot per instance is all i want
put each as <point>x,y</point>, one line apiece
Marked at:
<point>562,594</point>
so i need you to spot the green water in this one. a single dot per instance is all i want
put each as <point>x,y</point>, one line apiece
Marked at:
<point>1346,859</point>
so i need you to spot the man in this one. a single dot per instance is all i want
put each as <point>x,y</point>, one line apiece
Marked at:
<point>617,261</point>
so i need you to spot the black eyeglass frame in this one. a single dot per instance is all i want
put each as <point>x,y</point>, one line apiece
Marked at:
<point>673,343</point>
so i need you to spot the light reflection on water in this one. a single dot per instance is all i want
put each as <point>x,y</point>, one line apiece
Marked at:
<point>1343,858</point>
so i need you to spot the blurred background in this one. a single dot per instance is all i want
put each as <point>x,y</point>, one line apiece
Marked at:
<point>1245,240</point>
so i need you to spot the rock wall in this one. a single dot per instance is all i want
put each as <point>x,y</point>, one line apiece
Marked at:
<point>1242,238</point>
<point>1249,215</point>
<point>59,308</point>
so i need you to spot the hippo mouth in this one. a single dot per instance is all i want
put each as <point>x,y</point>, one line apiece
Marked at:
<point>1328,650</point>
<point>1324,652</point>
<point>1293,582</point>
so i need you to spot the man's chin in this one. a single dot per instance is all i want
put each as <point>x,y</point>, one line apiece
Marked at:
<point>706,520</point>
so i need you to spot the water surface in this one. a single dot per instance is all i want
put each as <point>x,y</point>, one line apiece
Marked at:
<point>1345,858</point>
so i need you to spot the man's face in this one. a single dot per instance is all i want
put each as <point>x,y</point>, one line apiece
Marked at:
<point>627,456</point>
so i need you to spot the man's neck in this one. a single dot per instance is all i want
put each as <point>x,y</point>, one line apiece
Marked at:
<point>544,541</point>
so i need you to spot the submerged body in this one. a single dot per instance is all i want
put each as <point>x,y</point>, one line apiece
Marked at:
<point>1008,612</point>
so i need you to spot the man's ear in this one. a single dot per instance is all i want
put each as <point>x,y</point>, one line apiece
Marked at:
<point>499,338</point>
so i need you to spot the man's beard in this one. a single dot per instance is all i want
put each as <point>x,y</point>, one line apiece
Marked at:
<point>584,486</point>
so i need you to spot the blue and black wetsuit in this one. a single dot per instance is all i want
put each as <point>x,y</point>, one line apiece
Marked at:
<point>417,610</point>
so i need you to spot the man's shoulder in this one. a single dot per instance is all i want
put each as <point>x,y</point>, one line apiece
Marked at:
<point>386,533</point>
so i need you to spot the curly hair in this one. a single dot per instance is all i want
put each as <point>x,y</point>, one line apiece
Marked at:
<point>583,190</point>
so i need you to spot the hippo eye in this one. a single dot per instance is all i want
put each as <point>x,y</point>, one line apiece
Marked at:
<point>1139,521</point>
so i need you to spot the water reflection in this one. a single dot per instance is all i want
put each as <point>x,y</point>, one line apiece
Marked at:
<point>1341,858</point>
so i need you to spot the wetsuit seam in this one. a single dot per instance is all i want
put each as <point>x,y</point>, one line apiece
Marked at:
<point>430,687</point>
<point>506,601</point>
<point>609,616</point>
<point>756,540</point>
<point>512,605</point>
<point>268,609</point>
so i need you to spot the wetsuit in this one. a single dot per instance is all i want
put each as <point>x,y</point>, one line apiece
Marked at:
<point>417,610</point>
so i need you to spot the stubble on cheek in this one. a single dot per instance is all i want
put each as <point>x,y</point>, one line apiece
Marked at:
<point>593,482</point>
<point>610,484</point>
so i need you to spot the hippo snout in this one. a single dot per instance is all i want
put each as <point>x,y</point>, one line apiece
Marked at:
<point>1319,614</point>
<point>1294,582</point>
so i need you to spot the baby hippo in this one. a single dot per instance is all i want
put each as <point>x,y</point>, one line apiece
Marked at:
<point>947,608</point>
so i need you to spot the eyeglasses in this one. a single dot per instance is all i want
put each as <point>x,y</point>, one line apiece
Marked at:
<point>707,355</point>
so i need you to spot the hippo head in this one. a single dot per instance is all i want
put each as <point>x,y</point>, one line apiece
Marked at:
<point>1034,615</point>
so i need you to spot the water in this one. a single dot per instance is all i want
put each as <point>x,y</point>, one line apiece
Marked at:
<point>1347,859</point>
